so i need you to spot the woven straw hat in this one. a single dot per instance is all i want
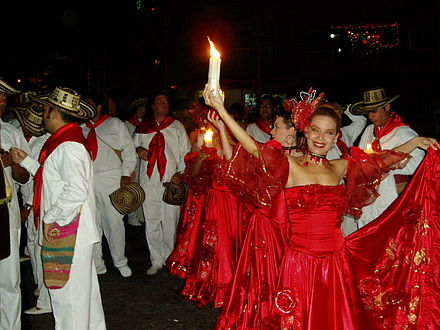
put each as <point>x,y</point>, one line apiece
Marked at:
<point>175,194</point>
<point>26,98</point>
<point>373,99</point>
<point>7,89</point>
<point>128,198</point>
<point>31,118</point>
<point>133,106</point>
<point>68,101</point>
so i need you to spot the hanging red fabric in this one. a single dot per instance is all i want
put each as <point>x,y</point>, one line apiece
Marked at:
<point>261,124</point>
<point>134,120</point>
<point>68,133</point>
<point>393,122</point>
<point>91,137</point>
<point>156,149</point>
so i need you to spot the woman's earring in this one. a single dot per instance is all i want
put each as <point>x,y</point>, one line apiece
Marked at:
<point>290,140</point>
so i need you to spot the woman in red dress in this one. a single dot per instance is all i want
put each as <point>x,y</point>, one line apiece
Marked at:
<point>220,236</point>
<point>325,278</point>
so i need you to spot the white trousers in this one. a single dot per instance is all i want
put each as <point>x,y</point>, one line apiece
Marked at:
<point>34,249</point>
<point>109,221</point>
<point>78,305</point>
<point>10,293</point>
<point>160,224</point>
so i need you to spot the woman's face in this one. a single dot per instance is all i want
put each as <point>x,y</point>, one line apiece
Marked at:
<point>321,134</point>
<point>280,132</point>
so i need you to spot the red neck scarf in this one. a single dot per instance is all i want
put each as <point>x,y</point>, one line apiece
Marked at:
<point>261,124</point>
<point>91,138</point>
<point>393,122</point>
<point>135,120</point>
<point>69,132</point>
<point>156,149</point>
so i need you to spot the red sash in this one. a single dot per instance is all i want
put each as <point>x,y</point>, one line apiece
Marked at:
<point>91,137</point>
<point>135,120</point>
<point>69,132</point>
<point>156,149</point>
<point>261,124</point>
<point>393,122</point>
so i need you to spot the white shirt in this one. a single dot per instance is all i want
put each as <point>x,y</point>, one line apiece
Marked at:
<point>11,137</point>
<point>68,189</point>
<point>176,147</point>
<point>349,133</point>
<point>35,144</point>
<point>112,135</point>
<point>387,188</point>
<point>259,136</point>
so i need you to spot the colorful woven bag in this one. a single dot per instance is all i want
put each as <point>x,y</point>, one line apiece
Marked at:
<point>57,253</point>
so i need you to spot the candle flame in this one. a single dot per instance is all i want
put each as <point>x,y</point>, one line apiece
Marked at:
<point>368,146</point>
<point>213,52</point>
<point>208,135</point>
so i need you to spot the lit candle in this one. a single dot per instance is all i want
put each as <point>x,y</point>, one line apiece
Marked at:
<point>200,137</point>
<point>214,69</point>
<point>208,137</point>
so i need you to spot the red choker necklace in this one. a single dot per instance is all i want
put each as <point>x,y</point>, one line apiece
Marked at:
<point>316,158</point>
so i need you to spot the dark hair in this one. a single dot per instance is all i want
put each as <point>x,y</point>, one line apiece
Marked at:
<point>331,113</point>
<point>237,111</point>
<point>98,100</point>
<point>68,118</point>
<point>158,93</point>
<point>287,118</point>
<point>268,97</point>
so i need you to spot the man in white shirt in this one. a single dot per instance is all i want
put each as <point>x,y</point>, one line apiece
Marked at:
<point>260,130</point>
<point>10,294</point>
<point>114,160</point>
<point>386,132</point>
<point>161,143</point>
<point>64,193</point>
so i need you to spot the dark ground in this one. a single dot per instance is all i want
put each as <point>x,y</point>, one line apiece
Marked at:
<point>137,302</point>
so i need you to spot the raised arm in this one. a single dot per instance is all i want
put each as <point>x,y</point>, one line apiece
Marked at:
<point>216,102</point>
<point>218,123</point>
<point>418,142</point>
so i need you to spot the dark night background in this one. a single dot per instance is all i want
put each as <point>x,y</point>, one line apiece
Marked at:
<point>128,48</point>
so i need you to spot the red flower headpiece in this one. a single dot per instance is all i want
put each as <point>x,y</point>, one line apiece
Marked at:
<point>302,111</point>
<point>198,113</point>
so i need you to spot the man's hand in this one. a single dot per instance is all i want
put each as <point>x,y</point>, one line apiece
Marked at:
<point>17,155</point>
<point>125,180</point>
<point>24,214</point>
<point>177,178</point>
<point>6,158</point>
<point>143,153</point>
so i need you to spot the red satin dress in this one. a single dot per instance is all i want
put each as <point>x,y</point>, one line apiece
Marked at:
<point>252,291</point>
<point>385,275</point>
<point>223,226</point>
<point>189,229</point>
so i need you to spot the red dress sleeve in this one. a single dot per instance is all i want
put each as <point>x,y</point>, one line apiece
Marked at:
<point>257,180</point>
<point>365,172</point>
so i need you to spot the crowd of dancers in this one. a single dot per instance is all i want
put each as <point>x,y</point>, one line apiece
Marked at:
<point>287,225</point>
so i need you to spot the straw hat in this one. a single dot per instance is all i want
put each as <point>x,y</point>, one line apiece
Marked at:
<point>7,89</point>
<point>26,98</point>
<point>132,107</point>
<point>128,198</point>
<point>31,118</point>
<point>373,99</point>
<point>175,194</point>
<point>68,101</point>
